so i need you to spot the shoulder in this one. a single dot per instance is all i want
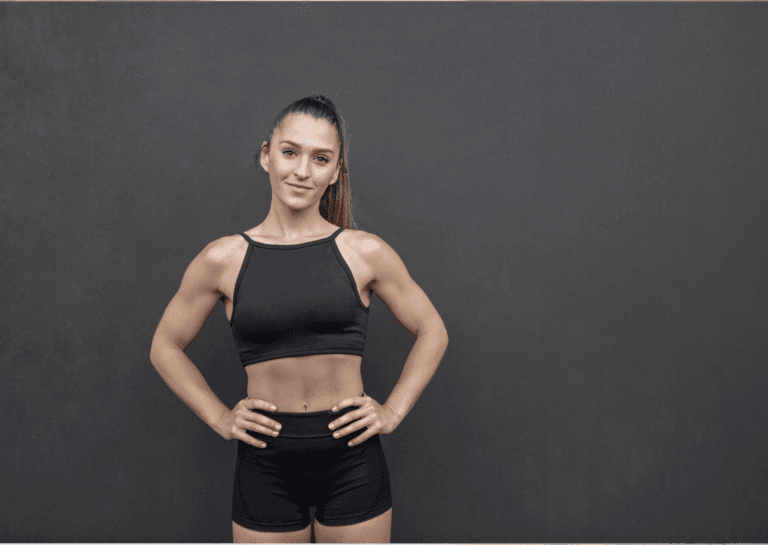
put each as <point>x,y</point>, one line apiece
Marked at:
<point>218,256</point>
<point>222,250</point>
<point>367,244</point>
<point>379,256</point>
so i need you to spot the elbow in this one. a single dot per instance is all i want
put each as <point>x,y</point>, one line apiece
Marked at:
<point>153,354</point>
<point>441,330</point>
<point>436,330</point>
<point>155,349</point>
<point>165,347</point>
<point>158,352</point>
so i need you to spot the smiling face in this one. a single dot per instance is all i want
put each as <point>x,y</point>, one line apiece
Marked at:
<point>302,161</point>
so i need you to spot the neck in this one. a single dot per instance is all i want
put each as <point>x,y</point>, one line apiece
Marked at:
<point>282,223</point>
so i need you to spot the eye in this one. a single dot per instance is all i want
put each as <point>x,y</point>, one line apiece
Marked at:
<point>288,150</point>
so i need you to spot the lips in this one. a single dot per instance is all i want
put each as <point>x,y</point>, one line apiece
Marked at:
<point>298,186</point>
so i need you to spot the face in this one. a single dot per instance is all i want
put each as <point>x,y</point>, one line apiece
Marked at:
<point>303,160</point>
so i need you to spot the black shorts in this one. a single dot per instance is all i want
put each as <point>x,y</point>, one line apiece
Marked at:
<point>306,466</point>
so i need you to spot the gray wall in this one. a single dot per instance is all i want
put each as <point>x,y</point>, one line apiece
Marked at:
<point>579,188</point>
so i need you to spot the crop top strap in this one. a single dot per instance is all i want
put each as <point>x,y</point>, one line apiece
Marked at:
<point>333,236</point>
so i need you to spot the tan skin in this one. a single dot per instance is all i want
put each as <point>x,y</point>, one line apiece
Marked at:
<point>305,383</point>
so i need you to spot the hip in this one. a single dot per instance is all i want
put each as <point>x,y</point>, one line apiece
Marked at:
<point>306,447</point>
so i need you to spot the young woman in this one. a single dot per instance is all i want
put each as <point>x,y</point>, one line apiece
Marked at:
<point>296,290</point>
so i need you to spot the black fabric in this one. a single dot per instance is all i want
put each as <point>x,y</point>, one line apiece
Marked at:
<point>296,300</point>
<point>305,466</point>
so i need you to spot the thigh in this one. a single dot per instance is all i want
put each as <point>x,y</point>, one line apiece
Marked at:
<point>267,496</point>
<point>375,530</point>
<point>357,486</point>
<point>246,535</point>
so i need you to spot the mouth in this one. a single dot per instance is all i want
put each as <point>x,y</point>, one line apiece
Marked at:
<point>297,186</point>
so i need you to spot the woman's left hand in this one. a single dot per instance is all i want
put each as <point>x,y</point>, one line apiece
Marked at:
<point>378,418</point>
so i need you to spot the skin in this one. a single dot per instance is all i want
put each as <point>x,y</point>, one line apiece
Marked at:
<point>305,383</point>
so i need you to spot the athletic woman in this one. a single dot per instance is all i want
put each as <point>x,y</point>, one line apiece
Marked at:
<point>296,290</point>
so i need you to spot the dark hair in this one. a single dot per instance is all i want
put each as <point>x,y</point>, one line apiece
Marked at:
<point>336,202</point>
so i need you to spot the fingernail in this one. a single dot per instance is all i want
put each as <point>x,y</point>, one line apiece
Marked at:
<point>334,409</point>
<point>330,426</point>
<point>336,434</point>
<point>278,427</point>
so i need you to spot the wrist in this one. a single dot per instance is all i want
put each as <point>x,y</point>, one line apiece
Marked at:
<point>396,418</point>
<point>218,426</point>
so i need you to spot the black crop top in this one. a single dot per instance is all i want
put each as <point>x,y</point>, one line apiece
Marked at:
<point>296,300</point>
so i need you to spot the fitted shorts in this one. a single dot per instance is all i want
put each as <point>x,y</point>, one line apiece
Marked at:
<point>306,466</point>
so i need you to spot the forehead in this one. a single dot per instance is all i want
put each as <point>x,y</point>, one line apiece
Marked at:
<point>308,130</point>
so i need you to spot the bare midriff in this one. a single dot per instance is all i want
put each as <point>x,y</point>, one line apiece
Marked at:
<point>306,383</point>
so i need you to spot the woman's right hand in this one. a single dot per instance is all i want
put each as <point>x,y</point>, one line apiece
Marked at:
<point>233,424</point>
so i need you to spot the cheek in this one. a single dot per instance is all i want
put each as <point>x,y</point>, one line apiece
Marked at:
<point>282,171</point>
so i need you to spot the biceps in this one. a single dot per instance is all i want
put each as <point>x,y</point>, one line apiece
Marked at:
<point>184,318</point>
<point>410,305</point>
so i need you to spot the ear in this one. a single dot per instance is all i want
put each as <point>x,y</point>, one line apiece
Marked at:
<point>337,174</point>
<point>264,157</point>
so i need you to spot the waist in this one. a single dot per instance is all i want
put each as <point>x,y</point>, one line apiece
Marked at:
<point>307,425</point>
<point>306,383</point>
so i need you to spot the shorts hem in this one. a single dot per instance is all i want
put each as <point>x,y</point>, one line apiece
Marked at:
<point>267,527</point>
<point>354,519</point>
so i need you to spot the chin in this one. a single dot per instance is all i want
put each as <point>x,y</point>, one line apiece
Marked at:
<point>297,204</point>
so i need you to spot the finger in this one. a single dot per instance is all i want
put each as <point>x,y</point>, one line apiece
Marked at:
<point>243,436</point>
<point>264,421</point>
<point>259,427</point>
<point>357,425</point>
<point>261,404</point>
<point>349,417</point>
<point>370,432</point>
<point>260,418</point>
<point>359,400</point>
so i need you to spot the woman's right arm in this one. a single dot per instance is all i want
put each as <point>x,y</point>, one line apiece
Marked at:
<point>181,322</point>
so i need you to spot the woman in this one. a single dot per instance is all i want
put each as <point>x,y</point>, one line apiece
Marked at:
<point>296,290</point>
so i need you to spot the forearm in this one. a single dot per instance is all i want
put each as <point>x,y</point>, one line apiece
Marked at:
<point>419,368</point>
<point>186,381</point>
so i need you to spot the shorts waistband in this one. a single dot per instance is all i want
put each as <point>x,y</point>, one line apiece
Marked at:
<point>305,425</point>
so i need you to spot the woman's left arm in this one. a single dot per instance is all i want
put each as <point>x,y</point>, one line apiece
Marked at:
<point>413,309</point>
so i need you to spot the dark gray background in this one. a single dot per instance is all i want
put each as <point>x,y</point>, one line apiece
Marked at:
<point>579,188</point>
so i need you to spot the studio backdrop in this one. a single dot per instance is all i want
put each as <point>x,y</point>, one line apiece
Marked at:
<point>580,189</point>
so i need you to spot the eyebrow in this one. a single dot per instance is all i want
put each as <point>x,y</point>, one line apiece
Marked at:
<point>295,145</point>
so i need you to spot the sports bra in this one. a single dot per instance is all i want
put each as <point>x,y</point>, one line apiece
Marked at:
<point>296,300</point>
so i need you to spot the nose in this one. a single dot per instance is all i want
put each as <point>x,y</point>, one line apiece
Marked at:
<point>301,169</point>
